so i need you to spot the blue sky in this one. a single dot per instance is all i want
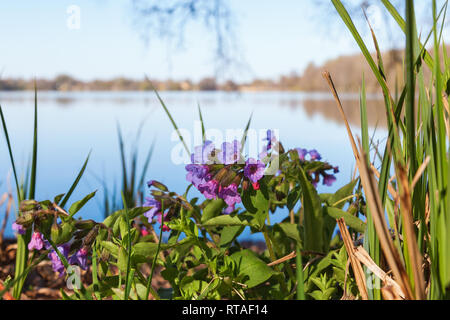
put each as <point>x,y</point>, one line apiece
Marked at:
<point>275,37</point>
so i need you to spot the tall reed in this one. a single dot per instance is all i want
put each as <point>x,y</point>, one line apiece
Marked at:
<point>414,203</point>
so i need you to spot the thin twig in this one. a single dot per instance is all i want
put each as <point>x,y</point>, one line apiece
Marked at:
<point>281,260</point>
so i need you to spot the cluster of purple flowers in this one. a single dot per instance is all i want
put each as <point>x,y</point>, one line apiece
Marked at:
<point>328,179</point>
<point>155,210</point>
<point>79,258</point>
<point>313,154</point>
<point>218,173</point>
<point>222,173</point>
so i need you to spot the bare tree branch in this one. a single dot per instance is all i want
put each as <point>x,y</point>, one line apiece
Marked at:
<point>169,19</point>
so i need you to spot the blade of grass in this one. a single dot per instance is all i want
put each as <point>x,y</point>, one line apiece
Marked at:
<point>123,159</point>
<point>244,136</point>
<point>75,183</point>
<point>170,117</point>
<point>11,157</point>
<point>202,123</point>
<point>410,86</point>
<point>147,162</point>
<point>371,241</point>
<point>32,190</point>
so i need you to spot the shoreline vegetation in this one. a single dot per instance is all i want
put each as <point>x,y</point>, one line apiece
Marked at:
<point>384,235</point>
<point>348,72</point>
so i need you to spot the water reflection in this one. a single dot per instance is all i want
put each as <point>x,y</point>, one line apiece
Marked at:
<point>73,123</point>
<point>311,103</point>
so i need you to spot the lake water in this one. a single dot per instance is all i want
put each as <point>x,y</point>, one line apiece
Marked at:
<point>72,124</point>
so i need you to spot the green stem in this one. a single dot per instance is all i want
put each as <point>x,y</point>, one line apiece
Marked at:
<point>127,280</point>
<point>149,283</point>
<point>300,281</point>
<point>94,272</point>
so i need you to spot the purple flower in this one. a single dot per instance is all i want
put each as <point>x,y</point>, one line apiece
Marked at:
<point>254,169</point>
<point>197,174</point>
<point>150,202</point>
<point>229,209</point>
<point>80,258</point>
<point>302,153</point>
<point>57,264</point>
<point>329,179</point>
<point>270,139</point>
<point>230,195</point>
<point>18,228</point>
<point>336,169</point>
<point>203,153</point>
<point>230,153</point>
<point>314,155</point>
<point>209,189</point>
<point>36,242</point>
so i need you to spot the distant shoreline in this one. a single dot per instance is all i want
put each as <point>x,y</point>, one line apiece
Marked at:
<point>346,72</point>
<point>321,95</point>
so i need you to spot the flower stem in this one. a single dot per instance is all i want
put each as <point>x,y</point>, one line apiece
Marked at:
<point>150,278</point>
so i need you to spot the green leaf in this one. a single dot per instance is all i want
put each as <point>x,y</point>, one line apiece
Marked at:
<point>111,247</point>
<point>313,217</point>
<point>225,220</point>
<point>58,198</point>
<point>212,209</point>
<point>122,260</point>
<point>111,220</point>
<point>293,197</point>
<point>228,234</point>
<point>123,227</point>
<point>75,207</point>
<point>144,251</point>
<point>193,288</point>
<point>65,234</point>
<point>257,203</point>
<point>254,270</point>
<point>292,231</point>
<point>342,193</point>
<point>349,219</point>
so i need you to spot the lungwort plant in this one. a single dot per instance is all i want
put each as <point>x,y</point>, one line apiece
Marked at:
<point>202,257</point>
<point>383,235</point>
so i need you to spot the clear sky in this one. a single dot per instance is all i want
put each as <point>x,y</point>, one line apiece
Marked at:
<point>275,37</point>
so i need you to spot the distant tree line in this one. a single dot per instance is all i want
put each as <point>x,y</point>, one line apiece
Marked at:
<point>69,83</point>
<point>347,72</point>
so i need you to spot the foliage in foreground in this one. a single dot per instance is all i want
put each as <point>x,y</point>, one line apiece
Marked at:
<point>394,231</point>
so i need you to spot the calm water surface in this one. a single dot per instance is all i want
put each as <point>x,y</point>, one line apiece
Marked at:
<point>72,124</point>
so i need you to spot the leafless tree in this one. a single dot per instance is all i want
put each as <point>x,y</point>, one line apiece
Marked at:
<point>169,19</point>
